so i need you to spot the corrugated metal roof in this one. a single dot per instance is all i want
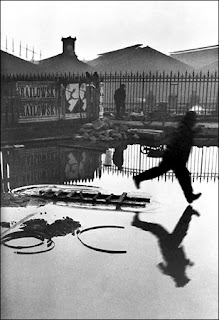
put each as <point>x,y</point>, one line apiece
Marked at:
<point>121,50</point>
<point>11,64</point>
<point>138,59</point>
<point>63,63</point>
<point>211,67</point>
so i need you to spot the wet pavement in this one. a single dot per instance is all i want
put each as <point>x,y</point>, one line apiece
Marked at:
<point>165,266</point>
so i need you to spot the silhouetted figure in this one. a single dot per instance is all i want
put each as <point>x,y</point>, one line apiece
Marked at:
<point>119,98</point>
<point>88,77</point>
<point>175,157</point>
<point>95,80</point>
<point>118,155</point>
<point>173,254</point>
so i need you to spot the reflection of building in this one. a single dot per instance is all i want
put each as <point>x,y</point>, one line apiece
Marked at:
<point>65,165</point>
<point>27,166</point>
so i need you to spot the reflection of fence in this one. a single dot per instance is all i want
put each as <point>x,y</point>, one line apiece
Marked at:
<point>202,163</point>
<point>178,91</point>
<point>52,164</point>
<point>60,165</point>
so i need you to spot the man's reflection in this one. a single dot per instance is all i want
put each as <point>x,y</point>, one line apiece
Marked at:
<point>118,155</point>
<point>173,254</point>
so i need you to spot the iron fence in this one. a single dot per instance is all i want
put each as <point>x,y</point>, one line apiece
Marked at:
<point>176,93</point>
<point>145,93</point>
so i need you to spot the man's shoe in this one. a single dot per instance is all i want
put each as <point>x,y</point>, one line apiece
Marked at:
<point>136,182</point>
<point>193,197</point>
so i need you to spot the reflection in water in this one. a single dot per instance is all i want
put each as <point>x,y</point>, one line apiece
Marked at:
<point>202,162</point>
<point>169,243</point>
<point>52,164</point>
<point>66,165</point>
<point>118,155</point>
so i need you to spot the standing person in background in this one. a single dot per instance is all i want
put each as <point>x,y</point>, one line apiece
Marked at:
<point>119,98</point>
<point>175,157</point>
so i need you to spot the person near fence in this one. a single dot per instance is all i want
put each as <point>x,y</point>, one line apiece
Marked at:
<point>119,98</point>
<point>175,157</point>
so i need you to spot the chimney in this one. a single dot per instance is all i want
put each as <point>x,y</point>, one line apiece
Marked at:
<point>69,46</point>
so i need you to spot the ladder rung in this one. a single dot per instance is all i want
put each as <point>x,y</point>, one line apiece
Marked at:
<point>81,195</point>
<point>71,194</point>
<point>96,196</point>
<point>122,197</point>
<point>109,197</point>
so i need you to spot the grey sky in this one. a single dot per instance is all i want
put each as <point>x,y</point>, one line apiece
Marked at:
<point>102,26</point>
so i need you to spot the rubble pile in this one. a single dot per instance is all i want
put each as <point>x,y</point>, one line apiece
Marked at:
<point>105,130</point>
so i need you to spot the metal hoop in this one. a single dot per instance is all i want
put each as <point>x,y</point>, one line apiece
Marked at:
<point>98,249</point>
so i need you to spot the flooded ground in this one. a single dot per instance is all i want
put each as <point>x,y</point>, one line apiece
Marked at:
<point>157,262</point>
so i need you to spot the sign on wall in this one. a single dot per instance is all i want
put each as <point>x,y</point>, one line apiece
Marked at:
<point>75,101</point>
<point>38,101</point>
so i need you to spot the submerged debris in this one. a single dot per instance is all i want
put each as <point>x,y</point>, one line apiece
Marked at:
<point>58,228</point>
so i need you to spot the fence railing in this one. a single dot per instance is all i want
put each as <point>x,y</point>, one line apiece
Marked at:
<point>146,93</point>
<point>176,92</point>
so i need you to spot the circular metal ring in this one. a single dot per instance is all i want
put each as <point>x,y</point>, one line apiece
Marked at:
<point>98,249</point>
<point>22,234</point>
<point>50,246</point>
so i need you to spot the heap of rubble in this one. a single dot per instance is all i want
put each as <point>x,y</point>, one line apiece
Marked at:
<point>105,130</point>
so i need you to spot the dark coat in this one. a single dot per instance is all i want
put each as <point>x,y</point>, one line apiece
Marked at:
<point>120,95</point>
<point>179,147</point>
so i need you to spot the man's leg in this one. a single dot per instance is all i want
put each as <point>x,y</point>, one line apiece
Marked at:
<point>184,177</point>
<point>123,109</point>
<point>152,173</point>
<point>117,110</point>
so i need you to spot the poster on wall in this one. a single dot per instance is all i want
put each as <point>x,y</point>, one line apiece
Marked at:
<point>38,101</point>
<point>75,101</point>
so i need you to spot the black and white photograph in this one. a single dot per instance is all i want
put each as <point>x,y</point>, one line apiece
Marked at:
<point>109,160</point>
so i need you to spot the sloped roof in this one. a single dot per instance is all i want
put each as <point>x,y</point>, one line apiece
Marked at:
<point>211,67</point>
<point>11,64</point>
<point>198,57</point>
<point>63,63</point>
<point>137,59</point>
<point>196,49</point>
<point>115,52</point>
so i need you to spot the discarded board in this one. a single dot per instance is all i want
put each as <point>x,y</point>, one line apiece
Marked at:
<point>84,196</point>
